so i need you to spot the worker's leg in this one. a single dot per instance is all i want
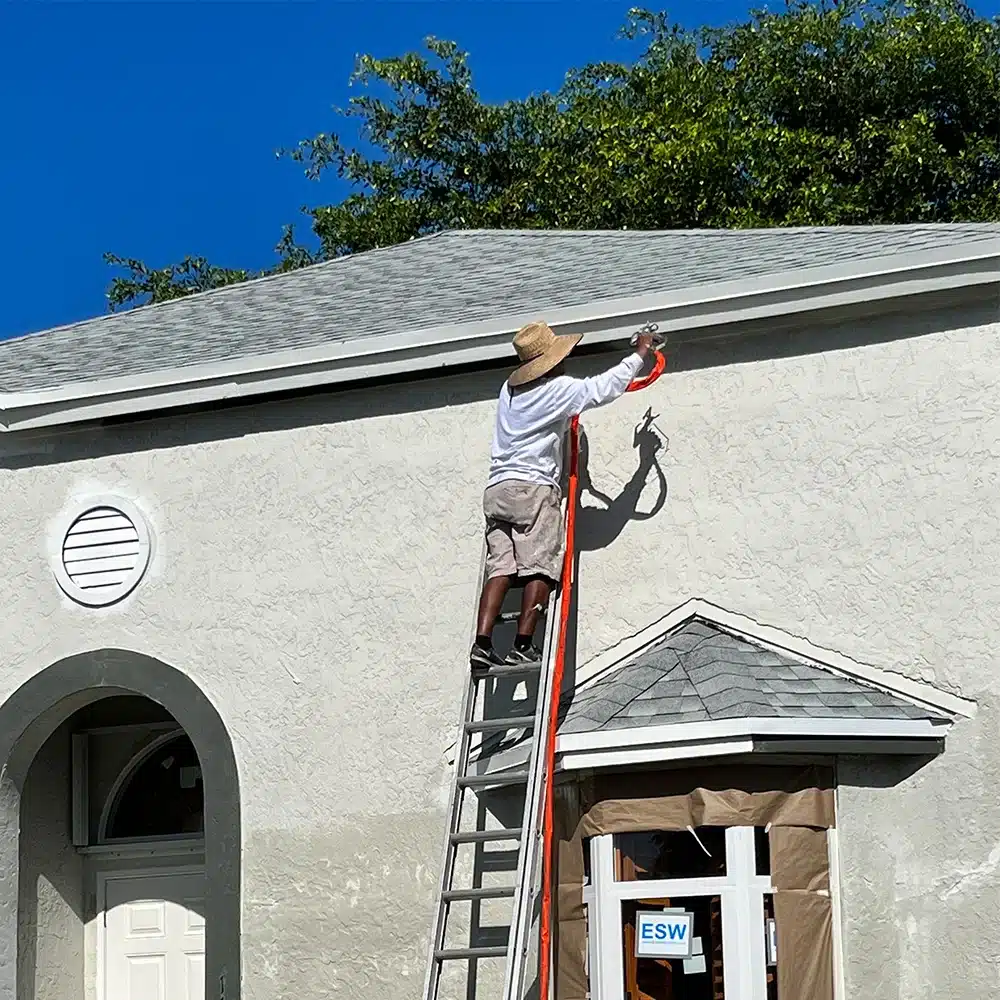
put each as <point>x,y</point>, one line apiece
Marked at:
<point>536,595</point>
<point>501,567</point>
<point>538,551</point>
<point>494,591</point>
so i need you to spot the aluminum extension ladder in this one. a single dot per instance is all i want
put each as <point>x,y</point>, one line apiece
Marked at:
<point>528,835</point>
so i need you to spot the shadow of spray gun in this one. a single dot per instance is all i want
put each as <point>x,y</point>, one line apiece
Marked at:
<point>647,436</point>
<point>644,429</point>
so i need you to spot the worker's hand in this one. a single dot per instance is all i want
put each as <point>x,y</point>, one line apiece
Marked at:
<point>644,345</point>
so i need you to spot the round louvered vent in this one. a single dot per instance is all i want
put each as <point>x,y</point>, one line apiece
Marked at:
<point>105,551</point>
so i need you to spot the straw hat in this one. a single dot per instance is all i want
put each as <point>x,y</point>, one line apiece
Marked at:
<point>540,350</point>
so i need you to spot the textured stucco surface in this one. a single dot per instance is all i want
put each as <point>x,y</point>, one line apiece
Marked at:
<point>315,572</point>
<point>50,910</point>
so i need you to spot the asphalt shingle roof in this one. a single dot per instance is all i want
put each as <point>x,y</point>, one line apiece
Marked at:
<point>700,673</point>
<point>450,278</point>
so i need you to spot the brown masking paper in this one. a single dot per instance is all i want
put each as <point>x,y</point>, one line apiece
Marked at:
<point>804,925</point>
<point>672,800</point>
<point>800,858</point>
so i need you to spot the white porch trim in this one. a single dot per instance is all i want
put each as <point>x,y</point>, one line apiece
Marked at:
<point>695,740</point>
<point>700,740</point>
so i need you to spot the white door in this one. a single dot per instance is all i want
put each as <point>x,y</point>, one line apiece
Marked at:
<point>154,937</point>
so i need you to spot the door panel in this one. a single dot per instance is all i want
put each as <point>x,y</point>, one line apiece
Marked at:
<point>194,976</point>
<point>154,942</point>
<point>145,976</point>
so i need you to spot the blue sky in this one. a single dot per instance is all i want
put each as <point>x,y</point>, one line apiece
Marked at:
<point>149,129</point>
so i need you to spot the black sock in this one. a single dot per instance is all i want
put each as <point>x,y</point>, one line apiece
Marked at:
<point>484,642</point>
<point>522,641</point>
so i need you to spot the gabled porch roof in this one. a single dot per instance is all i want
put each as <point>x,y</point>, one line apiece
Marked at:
<point>702,688</point>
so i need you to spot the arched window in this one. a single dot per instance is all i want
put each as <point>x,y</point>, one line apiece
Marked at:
<point>161,794</point>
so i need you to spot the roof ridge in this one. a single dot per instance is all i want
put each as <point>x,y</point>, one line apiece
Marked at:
<point>695,617</point>
<point>618,671</point>
<point>985,227</point>
<point>614,673</point>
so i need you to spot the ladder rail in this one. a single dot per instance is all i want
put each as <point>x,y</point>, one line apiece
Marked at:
<point>522,912</point>
<point>456,799</point>
<point>536,830</point>
<point>522,891</point>
<point>548,741</point>
<point>536,779</point>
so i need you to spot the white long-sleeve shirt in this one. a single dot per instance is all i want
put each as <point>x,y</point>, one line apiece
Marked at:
<point>531,424</point>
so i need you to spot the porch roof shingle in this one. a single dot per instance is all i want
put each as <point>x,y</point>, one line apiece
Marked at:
<point>701,673</point>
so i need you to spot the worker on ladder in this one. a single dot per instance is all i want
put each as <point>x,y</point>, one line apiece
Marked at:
<point>522,502</point>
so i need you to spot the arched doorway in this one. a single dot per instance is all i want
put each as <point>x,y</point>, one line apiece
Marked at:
<point>136,893</point>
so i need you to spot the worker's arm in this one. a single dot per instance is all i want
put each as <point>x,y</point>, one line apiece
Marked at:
<point>586,393</point>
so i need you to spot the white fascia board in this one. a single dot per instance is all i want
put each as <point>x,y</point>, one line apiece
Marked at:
<point>891,682</point>
<point>802,290</point>
<point>697,740</point>
<point>747,728</point>
<point>694,740</point>
<point>581,760</point>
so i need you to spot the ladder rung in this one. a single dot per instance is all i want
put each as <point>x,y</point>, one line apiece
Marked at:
<point>499,861</point>
<point>512,616</point>
<point>485,780</point>
<point>447,954</point>
<point>486,836</point>
<point>507,670</point>
<point>489,892</point>
<point>494,725</point>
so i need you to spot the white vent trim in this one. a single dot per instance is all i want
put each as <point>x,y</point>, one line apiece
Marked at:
<point>104,551</point>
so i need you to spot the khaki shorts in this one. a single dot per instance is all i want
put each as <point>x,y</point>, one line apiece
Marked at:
<point>524,530</point>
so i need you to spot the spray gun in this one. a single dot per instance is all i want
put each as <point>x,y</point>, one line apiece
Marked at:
<point>651,329</point>
<point>658,365</point>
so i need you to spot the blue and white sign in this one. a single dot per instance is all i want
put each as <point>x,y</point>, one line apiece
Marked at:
<point>663,935</point>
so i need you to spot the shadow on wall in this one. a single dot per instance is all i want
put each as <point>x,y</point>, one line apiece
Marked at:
<point>598,527</point>
<point>51,913</point>
<point>879,771</point>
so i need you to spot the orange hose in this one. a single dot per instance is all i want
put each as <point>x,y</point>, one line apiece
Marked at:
<point>545,944</point>
<point>648,380</point>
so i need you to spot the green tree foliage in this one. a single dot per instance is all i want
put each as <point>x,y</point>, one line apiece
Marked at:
<point>825,113</point>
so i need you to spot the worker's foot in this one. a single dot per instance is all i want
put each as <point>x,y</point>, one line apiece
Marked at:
<point>483,658</point>
<point>526,654</point>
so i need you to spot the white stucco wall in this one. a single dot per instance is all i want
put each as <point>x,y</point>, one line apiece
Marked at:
<point>315,571</point>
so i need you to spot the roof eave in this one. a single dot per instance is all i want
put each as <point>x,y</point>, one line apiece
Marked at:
<point>642,745</point>
<point>681,741</point>
<point>731,737</point>
<point>422,351</point>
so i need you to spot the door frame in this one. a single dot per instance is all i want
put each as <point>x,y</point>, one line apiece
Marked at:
<point>106,875</point>
<point>742,917</point>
